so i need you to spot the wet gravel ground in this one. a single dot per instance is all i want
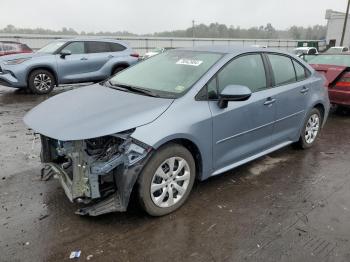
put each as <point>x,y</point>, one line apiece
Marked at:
<point>289,206</point>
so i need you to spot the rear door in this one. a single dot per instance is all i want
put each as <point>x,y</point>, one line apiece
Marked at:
<point>75,67</point>
<point>244,128</point>
<point>99,54</point>
<point>291,90</point>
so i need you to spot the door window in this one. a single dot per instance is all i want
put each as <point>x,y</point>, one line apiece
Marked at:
<point>98,47</point>
<point>117,47</point>
<point>300,71</point>
<point>283,70</point>
<point>75,48</point>
<point>247,70</point>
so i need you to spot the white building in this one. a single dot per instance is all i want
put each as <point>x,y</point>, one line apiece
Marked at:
<point>335,28</point>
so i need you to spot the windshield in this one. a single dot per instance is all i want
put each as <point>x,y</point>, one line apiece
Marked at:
<point>341,60</point>
<point>51,48</point>
<point>169,74</point>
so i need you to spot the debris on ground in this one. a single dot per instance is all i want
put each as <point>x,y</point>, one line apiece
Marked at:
<point>75,254</point>
<point>211,227</point>
<point>43,217</point>
<point>302,230</point>
<point>89,257</point>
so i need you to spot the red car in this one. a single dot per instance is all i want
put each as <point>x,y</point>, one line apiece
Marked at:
<point>336,69</point>
<point>10,48</point>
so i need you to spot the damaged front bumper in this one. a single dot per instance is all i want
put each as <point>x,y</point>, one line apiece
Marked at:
<point>100,172</point>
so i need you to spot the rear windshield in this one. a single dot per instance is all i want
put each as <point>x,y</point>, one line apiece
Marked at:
<point>341,60</point>
<point>169,74</point>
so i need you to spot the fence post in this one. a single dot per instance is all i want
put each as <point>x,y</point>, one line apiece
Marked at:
<point>146,45</point>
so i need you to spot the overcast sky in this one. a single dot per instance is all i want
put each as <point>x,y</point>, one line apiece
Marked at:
<point>150,16</point>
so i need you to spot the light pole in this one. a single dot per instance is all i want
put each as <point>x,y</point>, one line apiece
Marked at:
<point>345,22</point>
<point>193,27</point>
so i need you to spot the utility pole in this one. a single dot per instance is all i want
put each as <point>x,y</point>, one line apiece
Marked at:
<point>345,23</point>
<point>193,34</point>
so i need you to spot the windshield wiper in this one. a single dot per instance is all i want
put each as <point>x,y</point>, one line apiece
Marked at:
<point>134,89</point>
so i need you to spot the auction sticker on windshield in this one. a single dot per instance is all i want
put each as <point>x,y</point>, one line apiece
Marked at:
<point>191,62</point>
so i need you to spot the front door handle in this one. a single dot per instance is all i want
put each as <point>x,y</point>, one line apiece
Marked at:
<point>269,101</point>
<point>304,90</point>
<point>83,58</point>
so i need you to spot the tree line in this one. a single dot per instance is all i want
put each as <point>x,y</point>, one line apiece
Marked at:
<point>213,30</point>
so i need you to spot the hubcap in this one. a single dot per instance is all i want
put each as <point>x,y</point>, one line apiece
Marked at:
<point>312,128</point>
<point>170,182</point>
<point>42,82</point>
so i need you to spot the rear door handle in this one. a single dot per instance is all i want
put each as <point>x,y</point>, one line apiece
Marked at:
<point>304,90</point>
<point>269,101</point>
<point>83,58</point>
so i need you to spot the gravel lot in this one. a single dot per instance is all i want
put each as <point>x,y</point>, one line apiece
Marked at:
<point>289,206</point>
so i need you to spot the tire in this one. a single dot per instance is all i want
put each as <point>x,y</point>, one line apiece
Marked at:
<point>311,129</point>
<point>117,70</point>
<point>41,82</point>
<point>158,202</point>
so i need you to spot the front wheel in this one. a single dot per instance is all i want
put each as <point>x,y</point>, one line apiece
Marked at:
<point>41,82</point>
<point>311,129</point>
<point>167,180</point>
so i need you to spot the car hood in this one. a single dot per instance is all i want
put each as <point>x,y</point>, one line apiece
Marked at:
<point>20,56</point>
<point>93,111</point>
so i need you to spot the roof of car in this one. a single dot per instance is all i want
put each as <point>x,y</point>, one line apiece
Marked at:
<point>88,39</point>
<point>231,49</point>
<point>112,40</point>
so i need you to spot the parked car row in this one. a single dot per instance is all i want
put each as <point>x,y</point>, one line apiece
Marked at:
<point>65,62</point>
<point>181,115</point>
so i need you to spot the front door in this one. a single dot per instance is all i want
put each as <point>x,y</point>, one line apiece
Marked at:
<point>75,67</point>
<point>244,128</point>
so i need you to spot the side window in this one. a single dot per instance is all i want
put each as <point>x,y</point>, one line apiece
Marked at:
<point>117,47</point>
<point>98,47</point>
<point>212,89</point>
<point>300,71</point>
<point>283,70</point>
<point>247,70</point>
<point>75,48</point>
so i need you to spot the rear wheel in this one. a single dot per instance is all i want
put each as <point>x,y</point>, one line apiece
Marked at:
<point>311,129</point>
<point>167,180</point>
<point>41,82</point>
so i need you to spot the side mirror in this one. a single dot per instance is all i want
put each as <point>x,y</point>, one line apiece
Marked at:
<point>64,53</point>
<point>233,93</point>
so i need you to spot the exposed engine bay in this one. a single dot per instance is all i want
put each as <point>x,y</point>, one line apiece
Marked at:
<point>98,172</point>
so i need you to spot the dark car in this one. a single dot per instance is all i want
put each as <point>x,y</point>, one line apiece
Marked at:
<point>336,69</point>
<point>11,48</point>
